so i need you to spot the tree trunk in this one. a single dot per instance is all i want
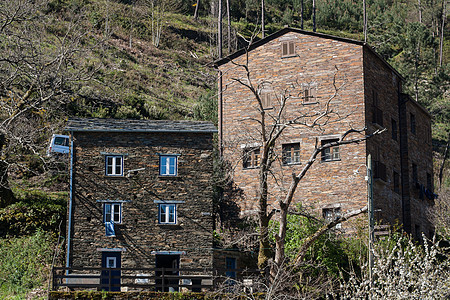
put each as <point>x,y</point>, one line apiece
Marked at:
<point>441,36</point>
<point>441,170</point>
<point>6,195</point>
<point>302,10</point>
<point>262,19</point>
<point>314,15</point>
<point>264,218</point>
<point>229,26</point>
<point>219,30</point>
<point>196,10</point>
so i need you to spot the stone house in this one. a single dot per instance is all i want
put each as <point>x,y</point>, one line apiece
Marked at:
<point>310,70</point>
<point>141,194</point>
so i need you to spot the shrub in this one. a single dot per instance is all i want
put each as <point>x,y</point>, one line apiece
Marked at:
<point>24,263</point>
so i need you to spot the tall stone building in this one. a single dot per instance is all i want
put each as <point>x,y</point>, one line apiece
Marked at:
<point>312,73</point>
<point>141,195</point>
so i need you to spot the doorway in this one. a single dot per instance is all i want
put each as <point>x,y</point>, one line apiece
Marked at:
<point>167,261</point>
<point>110,279</point>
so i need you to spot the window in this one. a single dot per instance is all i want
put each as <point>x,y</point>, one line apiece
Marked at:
<point>111,262</point>
<point>309,93</point>
<point>412,118</point>
<point>287,49</point>
<point>394,131</point>
<point>112,212</point>
<point>291,153</point>
<point>167,214</point>
<point>377,113</point>
<point>331,214</point>
<point>168,165</point>
<point>414,173</point>
<point>251,158</point>
<point>331,153</point>
<point>114,165</point>
<point>396,182</point>
<point>266,100</point>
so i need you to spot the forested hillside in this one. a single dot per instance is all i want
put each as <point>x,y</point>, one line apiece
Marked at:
<point>150,59</point>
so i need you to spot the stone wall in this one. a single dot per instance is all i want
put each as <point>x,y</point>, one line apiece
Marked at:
<point>359,82</point>
<point>318,62</point>
<point>140,233</point>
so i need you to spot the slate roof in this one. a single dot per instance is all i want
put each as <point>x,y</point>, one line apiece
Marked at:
<point>120,125</point>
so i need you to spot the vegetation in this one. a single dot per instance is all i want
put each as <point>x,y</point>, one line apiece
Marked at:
<point>25,263</point>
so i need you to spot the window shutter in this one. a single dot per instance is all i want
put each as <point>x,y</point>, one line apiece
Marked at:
<point>291,48</point>
<point>284,49</point>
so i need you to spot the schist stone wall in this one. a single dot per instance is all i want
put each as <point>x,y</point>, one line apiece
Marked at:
<point>365,92</point>
<point>139,235</point>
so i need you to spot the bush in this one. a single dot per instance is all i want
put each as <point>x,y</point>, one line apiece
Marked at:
<point>403,270</point>
<point>24,263</point>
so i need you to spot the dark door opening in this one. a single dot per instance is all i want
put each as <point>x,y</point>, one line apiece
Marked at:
<point>110,279</point>
<point>166,261</point>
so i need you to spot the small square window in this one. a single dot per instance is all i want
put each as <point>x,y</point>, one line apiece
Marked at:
<point>331,214</point>
<point>167,214</point>
<point>287,49</point>
<point>291,154</point>
<point>112,212</point>
<point>251,158</point>
<point>111,262</point>
<point>114,165</point>
<point>266,100</point>
<point>331,153</point>
<point>168,165</point>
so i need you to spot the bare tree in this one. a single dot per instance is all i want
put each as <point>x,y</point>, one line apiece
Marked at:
<point>40,72</point>
<point>270,125</point>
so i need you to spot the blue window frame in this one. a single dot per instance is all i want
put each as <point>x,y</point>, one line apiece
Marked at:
<point>167,214</point>
<point>114,165</point>
<point>168,165</point>
<point>112,212</point>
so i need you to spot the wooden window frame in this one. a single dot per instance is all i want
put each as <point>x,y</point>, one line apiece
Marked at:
<point>251,157</point>
<point>287,49</point>
<point>332,153</point>
<point>331,213</point>
<point>291,154</point>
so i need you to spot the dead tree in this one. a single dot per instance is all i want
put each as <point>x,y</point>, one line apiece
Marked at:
<point>270,126</point>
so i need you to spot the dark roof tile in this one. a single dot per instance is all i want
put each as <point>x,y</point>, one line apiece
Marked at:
<point>120,125</point>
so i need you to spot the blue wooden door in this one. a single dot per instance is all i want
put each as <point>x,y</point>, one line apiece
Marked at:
<point>110,279</point>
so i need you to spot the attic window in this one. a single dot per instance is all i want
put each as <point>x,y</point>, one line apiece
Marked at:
<point>266,100</point>
<point>287,49</point>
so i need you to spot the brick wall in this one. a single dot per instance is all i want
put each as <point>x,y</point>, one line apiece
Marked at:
<point>140,234</point>
<point>318,62</point>
<point>366,84</point>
